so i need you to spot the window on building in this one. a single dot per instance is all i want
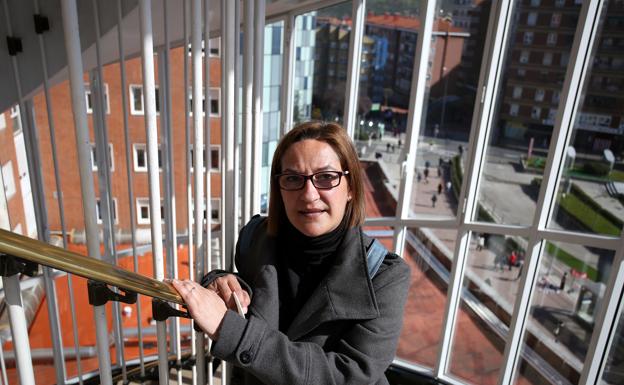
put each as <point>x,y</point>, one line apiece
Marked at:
<point>524,57</point>
<point>547,59</point>
<point>527,38</point>
<point>535,3</point>
<point>137,106</point>
<point>532,18</point>
<point>559,3</point>
<point>521,72</point>
<point>517,92</point>
<point>140,157</point>
<point>89,99</point>
<point>539,95</point>
<point>8,180</point>
<point>551,39</point>
<point>215,210</point>
<point>513,109</point>
<point>111,161</point>
<point>215,101</point>
<point>555,19</point>
<point>215,47</point>
<point>98,210</point>
<point>16,120</point>
<point>536,112</point>
<point>555,96</point>
<point>143,211</point>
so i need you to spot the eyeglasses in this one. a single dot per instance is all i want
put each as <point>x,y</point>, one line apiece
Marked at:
<point>323,180</point>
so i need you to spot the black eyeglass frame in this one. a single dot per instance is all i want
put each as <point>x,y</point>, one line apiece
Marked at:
<point>311,178</point>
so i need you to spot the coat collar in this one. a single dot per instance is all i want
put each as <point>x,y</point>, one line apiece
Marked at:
<point>346,292</point>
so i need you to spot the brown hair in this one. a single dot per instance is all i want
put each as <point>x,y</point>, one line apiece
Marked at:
<point>336,136</point>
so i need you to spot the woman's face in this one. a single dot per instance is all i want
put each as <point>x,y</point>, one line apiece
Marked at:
<point>314,211</point>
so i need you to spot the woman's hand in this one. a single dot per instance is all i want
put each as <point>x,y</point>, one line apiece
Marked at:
<point>226,285</point>
<point>205,306</point>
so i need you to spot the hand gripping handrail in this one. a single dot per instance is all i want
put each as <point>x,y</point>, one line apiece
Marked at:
<point>58,258</point>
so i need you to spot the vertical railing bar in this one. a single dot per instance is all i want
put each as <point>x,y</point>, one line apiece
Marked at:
<point>248,60</point>
<point>489,79</point>
<point>189,187</point>
<point>208,164</point>
<point>59,190</point>
<point>417,99</point>
<point>74,62</point>
<point>147,53</point>
<point>124,103</point>
<point>170,202</point>
<point>358,12</point>
<point>258,85</point>
<point>43,231</point>
<point>5,380</point>
<point>106,200</point>
<point>288,70</point>
<point>103,172</point>
<point>237,130</point>
<point>17,317</point>
<point>19,329</point>
<point>198,180</point>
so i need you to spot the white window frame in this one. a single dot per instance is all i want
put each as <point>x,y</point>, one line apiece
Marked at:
<point>144,202</point>
<point>135,161</point>
<point>111,158</point>
<point>551,38</point>
<point>2,121</point>
<point>141,111</point>
<point>525,56</point>
<point>213,90</point>
<point>527,38</point>
<point>98,213</point>
<point>547,58</point>
<point>8,179</point>
<point>514,108</point>
<point>539,94</point>
<point>88,98</point>
<point>213,148</point>
<point>532,18</point>
<point>517,92</point>
<point>215,41</point>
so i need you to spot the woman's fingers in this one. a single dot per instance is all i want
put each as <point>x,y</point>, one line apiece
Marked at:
<point>205,306</point>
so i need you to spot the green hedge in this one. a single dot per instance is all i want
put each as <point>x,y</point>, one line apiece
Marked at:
<point>571,261</point>
<point>596,168</point>
<point>582,195</point>
<point>587,215</point>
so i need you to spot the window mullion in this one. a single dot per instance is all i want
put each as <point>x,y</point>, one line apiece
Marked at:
<point>353,66</point>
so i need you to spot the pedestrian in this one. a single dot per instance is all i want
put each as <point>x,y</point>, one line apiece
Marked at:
<point>439,171</point>
<point>400,143</point>
<point>434,199</point>
<point>521,265</point>
<point>513,258</point>
<point>439,188</point>
<point>387,147</point>
<point>392,147</point>
<point>418,177</point>
<point>449,186</point>
<point>563,281</point>
<point>426,174</point>
<point>480,242</point>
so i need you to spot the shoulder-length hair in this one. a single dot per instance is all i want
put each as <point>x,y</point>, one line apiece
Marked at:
<point>336,136</point>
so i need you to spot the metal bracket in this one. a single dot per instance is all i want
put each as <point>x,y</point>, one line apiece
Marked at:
<point>14,44</point>
<point>100,294</point>
<point>161,310</point>
<point>41,24</point>
<point>10,265</point>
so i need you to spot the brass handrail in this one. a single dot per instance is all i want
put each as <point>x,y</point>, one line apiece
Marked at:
<point>58,258</point>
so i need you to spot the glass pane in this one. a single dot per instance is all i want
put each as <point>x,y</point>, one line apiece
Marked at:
<point>614,369</point>
<point>592,178</point>
<point>273,57</point>
<point>387,60</point>
<point>430,262</point>
<point>321,60</point>
<point>527,104</point>
<point>454,62</point>
<point>567,297</point>
<point>491,281</point>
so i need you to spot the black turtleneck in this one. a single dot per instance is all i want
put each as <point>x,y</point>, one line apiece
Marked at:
<point>303,262</point>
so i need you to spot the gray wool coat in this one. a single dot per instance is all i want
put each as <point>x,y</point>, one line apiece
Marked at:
<point>346,333</point>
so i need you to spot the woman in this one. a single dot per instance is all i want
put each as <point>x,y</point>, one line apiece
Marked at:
<point>317,315</point>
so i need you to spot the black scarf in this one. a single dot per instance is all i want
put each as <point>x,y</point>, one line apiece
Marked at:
<point>303,262</point>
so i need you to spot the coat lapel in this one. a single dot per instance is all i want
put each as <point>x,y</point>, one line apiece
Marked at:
<point>345,293</point>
